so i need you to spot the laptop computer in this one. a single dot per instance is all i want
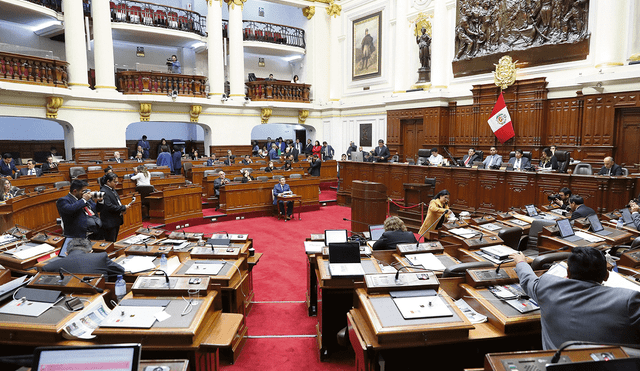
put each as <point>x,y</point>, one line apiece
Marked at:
<point>115,357</point>
<point>596,226</point>
<point>626,216</point>
<point>566,230</point>
<point>335,236</point>
<point>531,211</point>
<point>356,156</point>
<point>344,259</point>
<point>375,231</point>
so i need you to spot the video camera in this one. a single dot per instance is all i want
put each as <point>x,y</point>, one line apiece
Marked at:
<point>95,194</point>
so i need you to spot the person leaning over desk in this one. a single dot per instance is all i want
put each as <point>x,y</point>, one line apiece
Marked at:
<point>438,207</point>
<point>80,259</point>
<point>635,214</point>
<point>579,307</point>
<point>395,232</point>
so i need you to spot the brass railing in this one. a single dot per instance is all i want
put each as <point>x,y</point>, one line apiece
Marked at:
<point>158,83</point>
<point>283,91</point>
<point>33,70</point>
<point>156,15</point>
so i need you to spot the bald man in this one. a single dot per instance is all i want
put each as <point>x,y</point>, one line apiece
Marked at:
<point>610,168</point>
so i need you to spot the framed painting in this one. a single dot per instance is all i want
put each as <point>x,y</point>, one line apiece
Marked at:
<point>365,135</point>
<point>366,47</point>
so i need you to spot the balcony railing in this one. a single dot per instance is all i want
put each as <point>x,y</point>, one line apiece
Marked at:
<point>158,83</point>
<point>33,70</point>
<point>140,12</point>
<point>51,4</point>
<point>269,32</point>
<point>283,91</point>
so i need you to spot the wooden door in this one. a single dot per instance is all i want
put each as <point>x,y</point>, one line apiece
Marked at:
<point>412,138</point>
<point>628,139</point>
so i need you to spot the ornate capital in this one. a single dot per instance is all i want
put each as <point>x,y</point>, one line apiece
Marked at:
<point>309,12</point>
<point>195,112</point>
<point>265,114</point>
<point>423,20</point>
<point>334,9</point>
<point>505,73</point>
<point>145,111</point>
<point>302,116</point>
<point>53,104</point>
<point>210,2</point>
<point>232,3</point>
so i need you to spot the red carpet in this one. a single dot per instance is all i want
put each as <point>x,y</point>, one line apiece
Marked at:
<point>328,195</point>
<point>280,319</point>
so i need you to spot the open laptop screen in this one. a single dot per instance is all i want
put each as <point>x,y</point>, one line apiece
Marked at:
<point>626,216</point>
<point>596,226</point>
<point>347,252</point>
<point>531,210</point>
<point>113,357</point>
<point>335,236</point>
<point>375,231</point>
<point>566,230</point>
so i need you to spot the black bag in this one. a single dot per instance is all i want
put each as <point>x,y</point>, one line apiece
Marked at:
<point>94,224</point>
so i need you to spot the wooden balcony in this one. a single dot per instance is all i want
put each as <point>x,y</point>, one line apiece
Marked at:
<point>159,83</point>
<point>281,91</point>
<point>33,70</point>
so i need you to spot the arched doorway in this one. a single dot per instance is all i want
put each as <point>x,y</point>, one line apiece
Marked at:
<point>190,135</point>
<point>33,137</point>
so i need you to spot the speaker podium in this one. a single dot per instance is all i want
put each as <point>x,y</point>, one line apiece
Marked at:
<point>368,204</point>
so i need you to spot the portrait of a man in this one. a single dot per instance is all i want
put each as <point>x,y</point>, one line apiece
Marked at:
<point>366,46</point>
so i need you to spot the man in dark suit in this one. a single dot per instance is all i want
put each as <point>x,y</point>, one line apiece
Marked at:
<point>470,157</point>
<point>309,148</point>
<point>299,147</point>
<point>116,158</point>
<point>144,145</point>
<point>578,208</point>
<point>563,201</point>
<point>519,162</point>
<point>635,214</point>
<point>50,166</point>
<point>231,159</point>
<point>75,209</point>
<point>610,168</point>
<point>30,170</point>
<point>7,166</point>
<point>295,152</point>
<point>395,232</point>
<point>381,153</point>
<point>220,181</point>
<point>112,208</point>
<point>79,259</point>
<point>314,167</point>
<point>352,148</point>
<point>579,307</point>
<point>327,151</point>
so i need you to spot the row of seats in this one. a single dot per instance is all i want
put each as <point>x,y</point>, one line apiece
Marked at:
<point>586,169</point>
<point>264,178</point>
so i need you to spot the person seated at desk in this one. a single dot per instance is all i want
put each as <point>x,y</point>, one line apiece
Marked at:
<point>263,153</point>
<point>314,167</point>
<point>579,307</point>
<point>563,199</point>
<point>494,160</point>
<point>548,160</point>
<point>470,157</point>
<point>246,176</point>
<point>610,168</point>
<point>116,158</point>
<point>211,160</point>
<point>287,166</point>
<point>80,259</point>
<point>164,158</point>
<point>50,166</point>
<point>270,167</point>
<point>395,232</point>
<point>231,159</point>
<point>270,78</point>
<point>141,176</point>
<point>195,155</point>
<point>435,159</point>
<point>519,162</point>
<point>438,207</point>
<point>7,166</point>
<point>138,157</point>
<point>279,188</point>
<point>247,160</point>
<point>220,181</point>
<point>30,170</point>
<point>5,190</point>
<point>578,208</point>
<point>381,152</point>
<point>635,213</point>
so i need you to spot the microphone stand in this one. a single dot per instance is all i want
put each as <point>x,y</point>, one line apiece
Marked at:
<point>428,229</point>
<point>453,160</point>
<point>98,290</point>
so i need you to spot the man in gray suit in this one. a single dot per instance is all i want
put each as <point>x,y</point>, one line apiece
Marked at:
<point>579,307</point>
<point>80,259</point>
<point>635,214</point>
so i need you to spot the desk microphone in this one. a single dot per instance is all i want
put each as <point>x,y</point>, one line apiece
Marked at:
<point>145,245</point>
<point>166,277</point>
<point>184,234</point>
<point>355,221</point>
<point>98,290</point>
<point>416,270</point>
<point>225,232</point>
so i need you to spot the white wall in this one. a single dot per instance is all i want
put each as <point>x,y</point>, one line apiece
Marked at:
<point>169,131</point>
<point>17,34</point>
<point>27,128</point>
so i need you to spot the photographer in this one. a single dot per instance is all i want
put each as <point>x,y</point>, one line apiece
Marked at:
<point>174,64</point>
<point>562,198</point>
<point>112,209</point>
<point>78,212</point>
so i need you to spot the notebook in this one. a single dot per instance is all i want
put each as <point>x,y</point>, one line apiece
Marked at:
<point>566,230</point>
<point>344,259</point>
<point>114,357</point>
<point>596,226</point>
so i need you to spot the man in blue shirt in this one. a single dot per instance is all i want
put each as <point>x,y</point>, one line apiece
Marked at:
<point>164,158</point>
<point>175,64</point>
<point>273,153</point>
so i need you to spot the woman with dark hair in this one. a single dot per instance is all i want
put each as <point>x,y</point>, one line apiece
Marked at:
<point>548,160</point>
<point>270,167</point>
<point>317,149</point>
<point>246,176</point>
<point>163,142</point>
<point>5,189</point>
<point>286,166</point>
<point>437,207</point>
<point>296,79</point>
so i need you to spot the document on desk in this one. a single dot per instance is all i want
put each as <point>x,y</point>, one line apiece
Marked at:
<point>136,264</point>
<point>23,307</point>
<point>204,267</point>
<point>426,260</point>
<point>81,326</point>
<point>422,307</point>
<point>6,239</point>
<point>491,226</point>
<point>617,280</point>
<point>465,232</point>
<point>176,244</point>
<point>136,239</point>
<point>131,317</point>
<point>519,222</point>
<point>588,237</point>
<point>30,250</point>
<point>313,247</point>
<point>470,313</point>
<point>238,237</point>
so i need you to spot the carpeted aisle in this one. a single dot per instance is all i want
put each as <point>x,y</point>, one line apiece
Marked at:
<point>281,334</point>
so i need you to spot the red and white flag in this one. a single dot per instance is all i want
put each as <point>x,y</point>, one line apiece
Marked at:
<point>500,121</point>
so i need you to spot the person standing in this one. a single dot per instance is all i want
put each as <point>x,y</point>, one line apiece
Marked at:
<point>314,167</point>
<point>7,166</point>
<point>176,160</point>
<point>78,211</point>
<point>381,153</point>
<point>327,152</point>
<point>352,148</point>
<point>438,207</point>
<point>144,144</point>
<point>308,150</point>
<point>164,158</point>
<point>175,64</point>
<point>112,208</point>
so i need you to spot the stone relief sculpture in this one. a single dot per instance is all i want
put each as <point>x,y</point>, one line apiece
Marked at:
<point>486,27</point>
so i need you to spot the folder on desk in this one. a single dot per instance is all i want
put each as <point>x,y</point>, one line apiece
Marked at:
<point>422,307</point>
<point>344,260</point>
<point>32,302</point>
<point>132,316</point>
<point>30,250</point>
<point>205,268</point>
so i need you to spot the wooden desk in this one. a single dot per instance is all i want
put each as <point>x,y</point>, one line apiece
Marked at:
<point>494,361</point>
<point>28,183</point>
<point>37,212</point>
<point>292,198</point>
<point>175,204</point>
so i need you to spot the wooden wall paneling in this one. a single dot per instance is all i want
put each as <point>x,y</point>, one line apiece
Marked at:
<point>517,192</point>
<point>97,154</point>
<point>550,184</point>
<point>598,125</point>
<point>562,124</point>
<point>397,176</point>
<point>488,191</point>
<point>416,174</point>
<point>615,194</point>
<point>133,216</point>
<point>431,121</point>
<point>443,177</point>
<point>236,150</point>
<point>463,130</point>
<point>463,188</point>
<point>28,148</point>
<point>626,149</point>
<point>588,187</point>
<point>380,174</point>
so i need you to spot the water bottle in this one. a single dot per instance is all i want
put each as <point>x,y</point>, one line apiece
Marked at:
<point>163,262</point>
<point>620,224</point>
<point>121,288</point>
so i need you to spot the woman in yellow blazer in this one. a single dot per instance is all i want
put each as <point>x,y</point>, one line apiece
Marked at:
<point>437,207</point>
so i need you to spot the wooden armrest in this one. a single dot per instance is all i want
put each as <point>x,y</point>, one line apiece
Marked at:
<point>223,332</point>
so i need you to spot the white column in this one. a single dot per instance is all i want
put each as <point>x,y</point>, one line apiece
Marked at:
<point>215,53</point>
<point>317,69</point>
<point>103,46</point>
<point>403,53</point>
<point>634,31</point>
<point>335,58</point>
<point>75,44</point>
<point>439,46</point>
<point>236,51</point>
<point>611,33</point>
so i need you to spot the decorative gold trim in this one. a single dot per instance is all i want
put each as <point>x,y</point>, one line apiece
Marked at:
<point>423,20</point>
<point>195,112</point>
<point>210,2</point>
<point>322,1</point>
<point>440,86</point>
<point>505,73</point>
<point>76,84</point>
<point>104,87</point>
<point>210,94</point>
<point>334,9</point>
<point>232,3</point>
<point>635,57</point>
<point>309,12</point>
<point>334,100</point>
<point>145,111</point>
<point>303,114</point>
<point>236,95</point>
<point>609,64</point>
<point>265,113</point>
<point>399,92</point>
<point>421,86</point>
<point>53,104</point>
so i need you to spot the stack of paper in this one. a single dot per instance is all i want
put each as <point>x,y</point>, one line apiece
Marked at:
<point>470,313</point>
<point>30,250</point>
<point>427,261</point>
<point>465,232</point>
<point>135,264</point>
<point>589,237</point>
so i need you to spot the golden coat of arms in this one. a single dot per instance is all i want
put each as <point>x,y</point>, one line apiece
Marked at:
<point>505,73</point>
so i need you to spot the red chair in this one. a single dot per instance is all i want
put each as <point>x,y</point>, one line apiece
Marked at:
<point>172,20</point>
<point>160,18</point>
<point>135,14</point>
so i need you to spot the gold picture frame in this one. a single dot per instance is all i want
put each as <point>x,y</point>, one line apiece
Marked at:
<point>366,47</point>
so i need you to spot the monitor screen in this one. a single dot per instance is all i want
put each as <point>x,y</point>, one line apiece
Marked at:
<point>564,225</point>
<point>356,156</point>
<point>531,210</point>
<point>376,231</point>
<point>596,226</point>
<point>114,357</point>
<point>335,236</point>
<point>626,216</point>
<point>348,252</point>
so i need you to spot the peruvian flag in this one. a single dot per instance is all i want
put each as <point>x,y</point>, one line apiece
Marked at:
<point>500,121</point>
